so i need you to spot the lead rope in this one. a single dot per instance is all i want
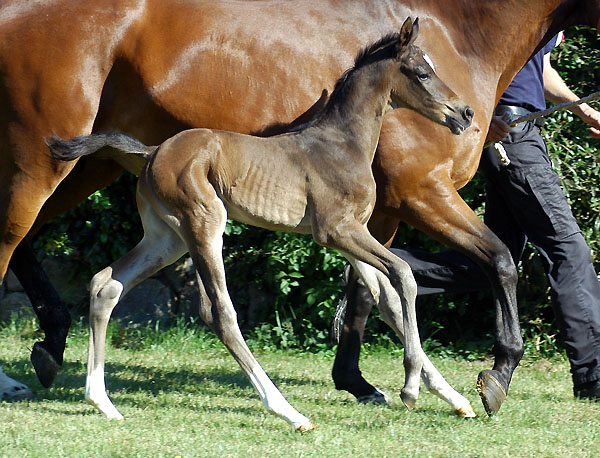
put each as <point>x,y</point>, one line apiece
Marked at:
<point>502,156</point>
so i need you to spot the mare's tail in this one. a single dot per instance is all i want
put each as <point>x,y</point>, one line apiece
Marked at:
<point>67,150</point>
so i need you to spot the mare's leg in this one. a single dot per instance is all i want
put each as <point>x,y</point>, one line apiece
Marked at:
<point>53,314</point>
<point>32,107</point>
<point>205,241</point>
<point>28,177</point>
<point>160,247</point>
<point>347,331</point>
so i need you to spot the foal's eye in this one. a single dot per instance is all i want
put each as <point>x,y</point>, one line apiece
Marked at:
<point>423,76</point>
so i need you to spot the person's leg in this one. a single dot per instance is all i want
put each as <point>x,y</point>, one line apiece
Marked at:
<point>443,272</point>
<point>576,300</point>
<point>541,209</point>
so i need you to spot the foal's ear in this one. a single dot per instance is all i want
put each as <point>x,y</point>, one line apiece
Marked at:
<point>408,33</point>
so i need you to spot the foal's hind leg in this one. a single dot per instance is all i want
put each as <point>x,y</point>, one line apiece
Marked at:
<point>160,247</point>
<point>204,238</point>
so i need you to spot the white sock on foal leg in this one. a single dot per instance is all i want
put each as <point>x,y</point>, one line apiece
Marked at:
<point>11,390</point>
<point>275,402</point>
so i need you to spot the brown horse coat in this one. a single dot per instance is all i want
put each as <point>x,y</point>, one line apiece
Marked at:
<point>152,67</point>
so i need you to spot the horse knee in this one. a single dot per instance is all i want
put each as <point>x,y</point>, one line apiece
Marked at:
<point>105,292</point>
<point>403,280</point>
<point>506,269</point>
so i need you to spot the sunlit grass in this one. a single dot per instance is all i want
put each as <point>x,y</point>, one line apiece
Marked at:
<point>182,394</point>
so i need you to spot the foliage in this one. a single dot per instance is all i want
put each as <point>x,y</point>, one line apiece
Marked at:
<point>299,282</point>
<point>285,287</point>
<point>98,231</point>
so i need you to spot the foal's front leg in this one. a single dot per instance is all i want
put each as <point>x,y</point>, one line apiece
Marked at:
<point>387,276</point>
<point>347,376</point>
<point>394,305</point>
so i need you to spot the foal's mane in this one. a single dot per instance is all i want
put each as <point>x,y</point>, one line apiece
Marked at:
<point>364,57</point>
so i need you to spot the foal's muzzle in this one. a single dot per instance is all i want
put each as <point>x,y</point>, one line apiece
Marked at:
<point>459,120</point>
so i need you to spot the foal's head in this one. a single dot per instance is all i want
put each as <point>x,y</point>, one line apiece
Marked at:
<point>415,84</point>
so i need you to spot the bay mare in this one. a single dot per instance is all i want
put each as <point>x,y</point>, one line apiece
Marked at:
<point>316,179</point>
<point>154,67</point>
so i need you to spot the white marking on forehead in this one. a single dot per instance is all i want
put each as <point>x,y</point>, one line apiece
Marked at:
<point>429,61</point>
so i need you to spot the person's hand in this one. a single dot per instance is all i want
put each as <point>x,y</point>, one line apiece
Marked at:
<point>498,130</point>
<point>592,118</point>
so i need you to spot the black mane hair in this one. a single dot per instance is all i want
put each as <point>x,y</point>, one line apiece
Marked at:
<point>364,57</point>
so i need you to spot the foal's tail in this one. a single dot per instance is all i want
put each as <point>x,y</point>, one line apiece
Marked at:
<point>67,150</point>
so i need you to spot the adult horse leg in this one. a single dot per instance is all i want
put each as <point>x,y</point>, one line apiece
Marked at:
<point>450,221</point>
<point>26,185</point>
<point>52,313</point>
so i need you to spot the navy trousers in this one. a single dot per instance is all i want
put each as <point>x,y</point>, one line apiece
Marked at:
<point>525,203</point>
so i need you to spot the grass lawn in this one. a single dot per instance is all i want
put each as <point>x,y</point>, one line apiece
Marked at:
<point>183,395</point>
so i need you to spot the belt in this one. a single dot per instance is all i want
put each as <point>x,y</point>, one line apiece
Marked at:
<point>515,112</point>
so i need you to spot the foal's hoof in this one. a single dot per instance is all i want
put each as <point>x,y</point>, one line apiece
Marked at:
<point>15,391</point>
<point>408,399</point>
<point>305,428</point>
<point>490,390</point>
<point>376,397</point>
<point>44,364</point>
<point>465,412</point>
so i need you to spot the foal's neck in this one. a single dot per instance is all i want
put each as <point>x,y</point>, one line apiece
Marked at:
<point>357,110</point>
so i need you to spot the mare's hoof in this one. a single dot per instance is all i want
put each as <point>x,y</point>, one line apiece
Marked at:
<point>376,397</point>
<point>490,390</point>
<point>44,364</point>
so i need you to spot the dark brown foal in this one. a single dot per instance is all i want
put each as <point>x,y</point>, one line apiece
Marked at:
<point>316,179</point>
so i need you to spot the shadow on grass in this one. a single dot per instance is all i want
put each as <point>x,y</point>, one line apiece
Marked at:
<point>133,378</point>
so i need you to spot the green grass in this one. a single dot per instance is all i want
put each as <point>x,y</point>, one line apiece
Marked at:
<point>183,395</point>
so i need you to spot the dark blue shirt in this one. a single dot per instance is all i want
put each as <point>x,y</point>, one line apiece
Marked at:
<point>527,88</point>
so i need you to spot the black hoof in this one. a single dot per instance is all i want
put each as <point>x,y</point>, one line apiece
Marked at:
<point>44,364</point>
<point>491,391</point>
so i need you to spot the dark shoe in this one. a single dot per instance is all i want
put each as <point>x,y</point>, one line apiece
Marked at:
<point>589,391</point>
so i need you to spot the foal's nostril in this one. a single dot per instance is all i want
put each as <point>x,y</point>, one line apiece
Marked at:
<point>468,114</point>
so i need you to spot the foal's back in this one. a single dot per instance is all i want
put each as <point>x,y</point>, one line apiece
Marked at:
<point>261,181</point>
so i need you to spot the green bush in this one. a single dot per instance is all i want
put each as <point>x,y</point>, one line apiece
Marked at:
<point>285,287</point>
